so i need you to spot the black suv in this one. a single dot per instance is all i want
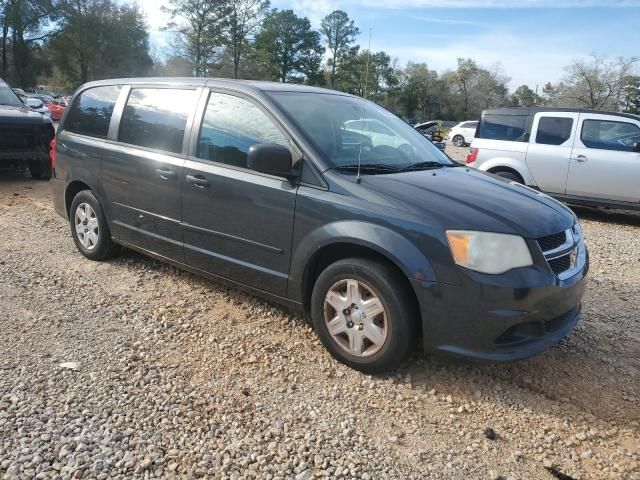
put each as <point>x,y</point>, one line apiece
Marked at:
<point>325,202</point>
<point>25,135</point>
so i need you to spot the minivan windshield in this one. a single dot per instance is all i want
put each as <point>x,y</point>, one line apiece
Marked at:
<point>351,131</point>
<point>7,97</point>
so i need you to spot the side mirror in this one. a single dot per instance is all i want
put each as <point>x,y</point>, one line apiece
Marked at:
<point>636,147</point>
<point>271,159</point>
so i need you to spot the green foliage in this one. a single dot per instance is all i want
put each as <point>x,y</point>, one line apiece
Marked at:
<point>290,46</point>
<point>199,26</point>
<point>100,39</point>
<point>631,93</point>
<point>243,19</point>
<point>340,34</point>
<point>25,25</point>
<point>68,42</point>
<point>525,97</point>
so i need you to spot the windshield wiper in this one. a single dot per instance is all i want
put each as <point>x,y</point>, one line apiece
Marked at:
<point>428,165</point>
<point>369,168</point>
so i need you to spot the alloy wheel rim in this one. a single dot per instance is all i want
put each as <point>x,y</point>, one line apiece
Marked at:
<point>356,317</point>
<point>87,228</point>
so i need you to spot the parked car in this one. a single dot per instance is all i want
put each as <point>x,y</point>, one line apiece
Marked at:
<point>463,133</point>
<point>37,105</point>
<point>266,187</point>
<point>56,107</point>
<point>431,130</point>
<point>577,156</point>
<point>24,136</point>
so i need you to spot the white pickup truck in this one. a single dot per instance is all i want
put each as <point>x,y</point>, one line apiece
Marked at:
<point>578,156</point>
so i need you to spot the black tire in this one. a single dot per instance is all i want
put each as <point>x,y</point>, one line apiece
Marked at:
<point>104,247</point>
<point>458,141</point>
<point>401,313</point>
<point>40,170</point>
<point>510,176</point>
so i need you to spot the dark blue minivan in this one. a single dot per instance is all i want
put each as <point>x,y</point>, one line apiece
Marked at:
<point>324,202</point>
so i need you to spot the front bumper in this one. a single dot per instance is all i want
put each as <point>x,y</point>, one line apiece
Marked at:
<point>501,318</point>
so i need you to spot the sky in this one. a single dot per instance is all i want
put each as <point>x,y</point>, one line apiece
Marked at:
<point>531,40</point>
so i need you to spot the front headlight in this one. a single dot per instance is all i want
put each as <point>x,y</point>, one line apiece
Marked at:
<point>485,252</point>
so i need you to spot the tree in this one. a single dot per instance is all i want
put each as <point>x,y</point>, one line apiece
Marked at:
<point>464,75</point>
<point>243,18</point>
<point>474,89</point>
<point>340,35</point>
<point>289,44</point>
<point>25,25</point>
<point>595,82</point>
<point>199,25</point>
<point>422,93</point>
<point>100,39</point>
<point>631,94</point>
<point>525,97</point>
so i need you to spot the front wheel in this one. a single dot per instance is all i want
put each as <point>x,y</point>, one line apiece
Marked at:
<point>364,315</point>
<point>89,227</point>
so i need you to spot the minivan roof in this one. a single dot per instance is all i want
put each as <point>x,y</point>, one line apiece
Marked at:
<point>249,86</point>
<point>525,111</point>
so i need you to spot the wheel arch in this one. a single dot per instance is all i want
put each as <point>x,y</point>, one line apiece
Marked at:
<point>354,239</point>
<point>72,189</point>
<point>496,170</point>
<point>506,164</point>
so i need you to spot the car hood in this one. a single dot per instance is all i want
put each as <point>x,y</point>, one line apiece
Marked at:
<point>10,115</point>
<point>463,199</point>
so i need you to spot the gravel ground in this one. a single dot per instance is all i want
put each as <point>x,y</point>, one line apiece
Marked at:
<point>457,154</point>
<point>133,369</point>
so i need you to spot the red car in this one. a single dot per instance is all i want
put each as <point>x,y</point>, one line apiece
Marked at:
<point>56,106</point>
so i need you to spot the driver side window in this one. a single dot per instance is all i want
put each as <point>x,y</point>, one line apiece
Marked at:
<point>231,125</point>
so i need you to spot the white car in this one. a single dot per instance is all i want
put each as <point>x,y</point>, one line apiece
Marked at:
<point>38,105</point>
<point>579,156</point>
<point>375,131</point>
<point>463,133</point>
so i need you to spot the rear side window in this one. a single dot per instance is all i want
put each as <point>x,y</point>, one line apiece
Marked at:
<point>503,127</point>
<point>610,135</point>
<point>230,126</point>
<point>554,130</point>
<point>472,125</point>
<point>157,118</point>
<point>90,113</point>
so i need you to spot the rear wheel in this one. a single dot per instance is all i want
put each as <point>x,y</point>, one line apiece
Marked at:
<point>458,141</point>
<point>89,227</point>
<point>363,314</point>
<point>40,170</point>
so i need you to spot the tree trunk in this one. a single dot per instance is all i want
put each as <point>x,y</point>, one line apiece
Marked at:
<point>5,38</point>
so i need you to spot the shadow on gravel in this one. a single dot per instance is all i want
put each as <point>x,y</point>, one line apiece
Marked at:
<point>15,176</point>
<point>618,217</point>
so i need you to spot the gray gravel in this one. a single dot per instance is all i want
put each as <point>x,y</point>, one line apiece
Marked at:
<point>133,369</point>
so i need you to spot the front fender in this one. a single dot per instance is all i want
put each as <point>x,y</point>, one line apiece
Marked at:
<point>398,249</point>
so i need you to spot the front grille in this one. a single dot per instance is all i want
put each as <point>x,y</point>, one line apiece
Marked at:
<point>552,241</point>
<point>561,264</point>
<point>558,249</point>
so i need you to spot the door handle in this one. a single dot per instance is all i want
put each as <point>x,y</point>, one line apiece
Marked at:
<point>166,174</point>
<point>198,180</point>
<point>581,158</point>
